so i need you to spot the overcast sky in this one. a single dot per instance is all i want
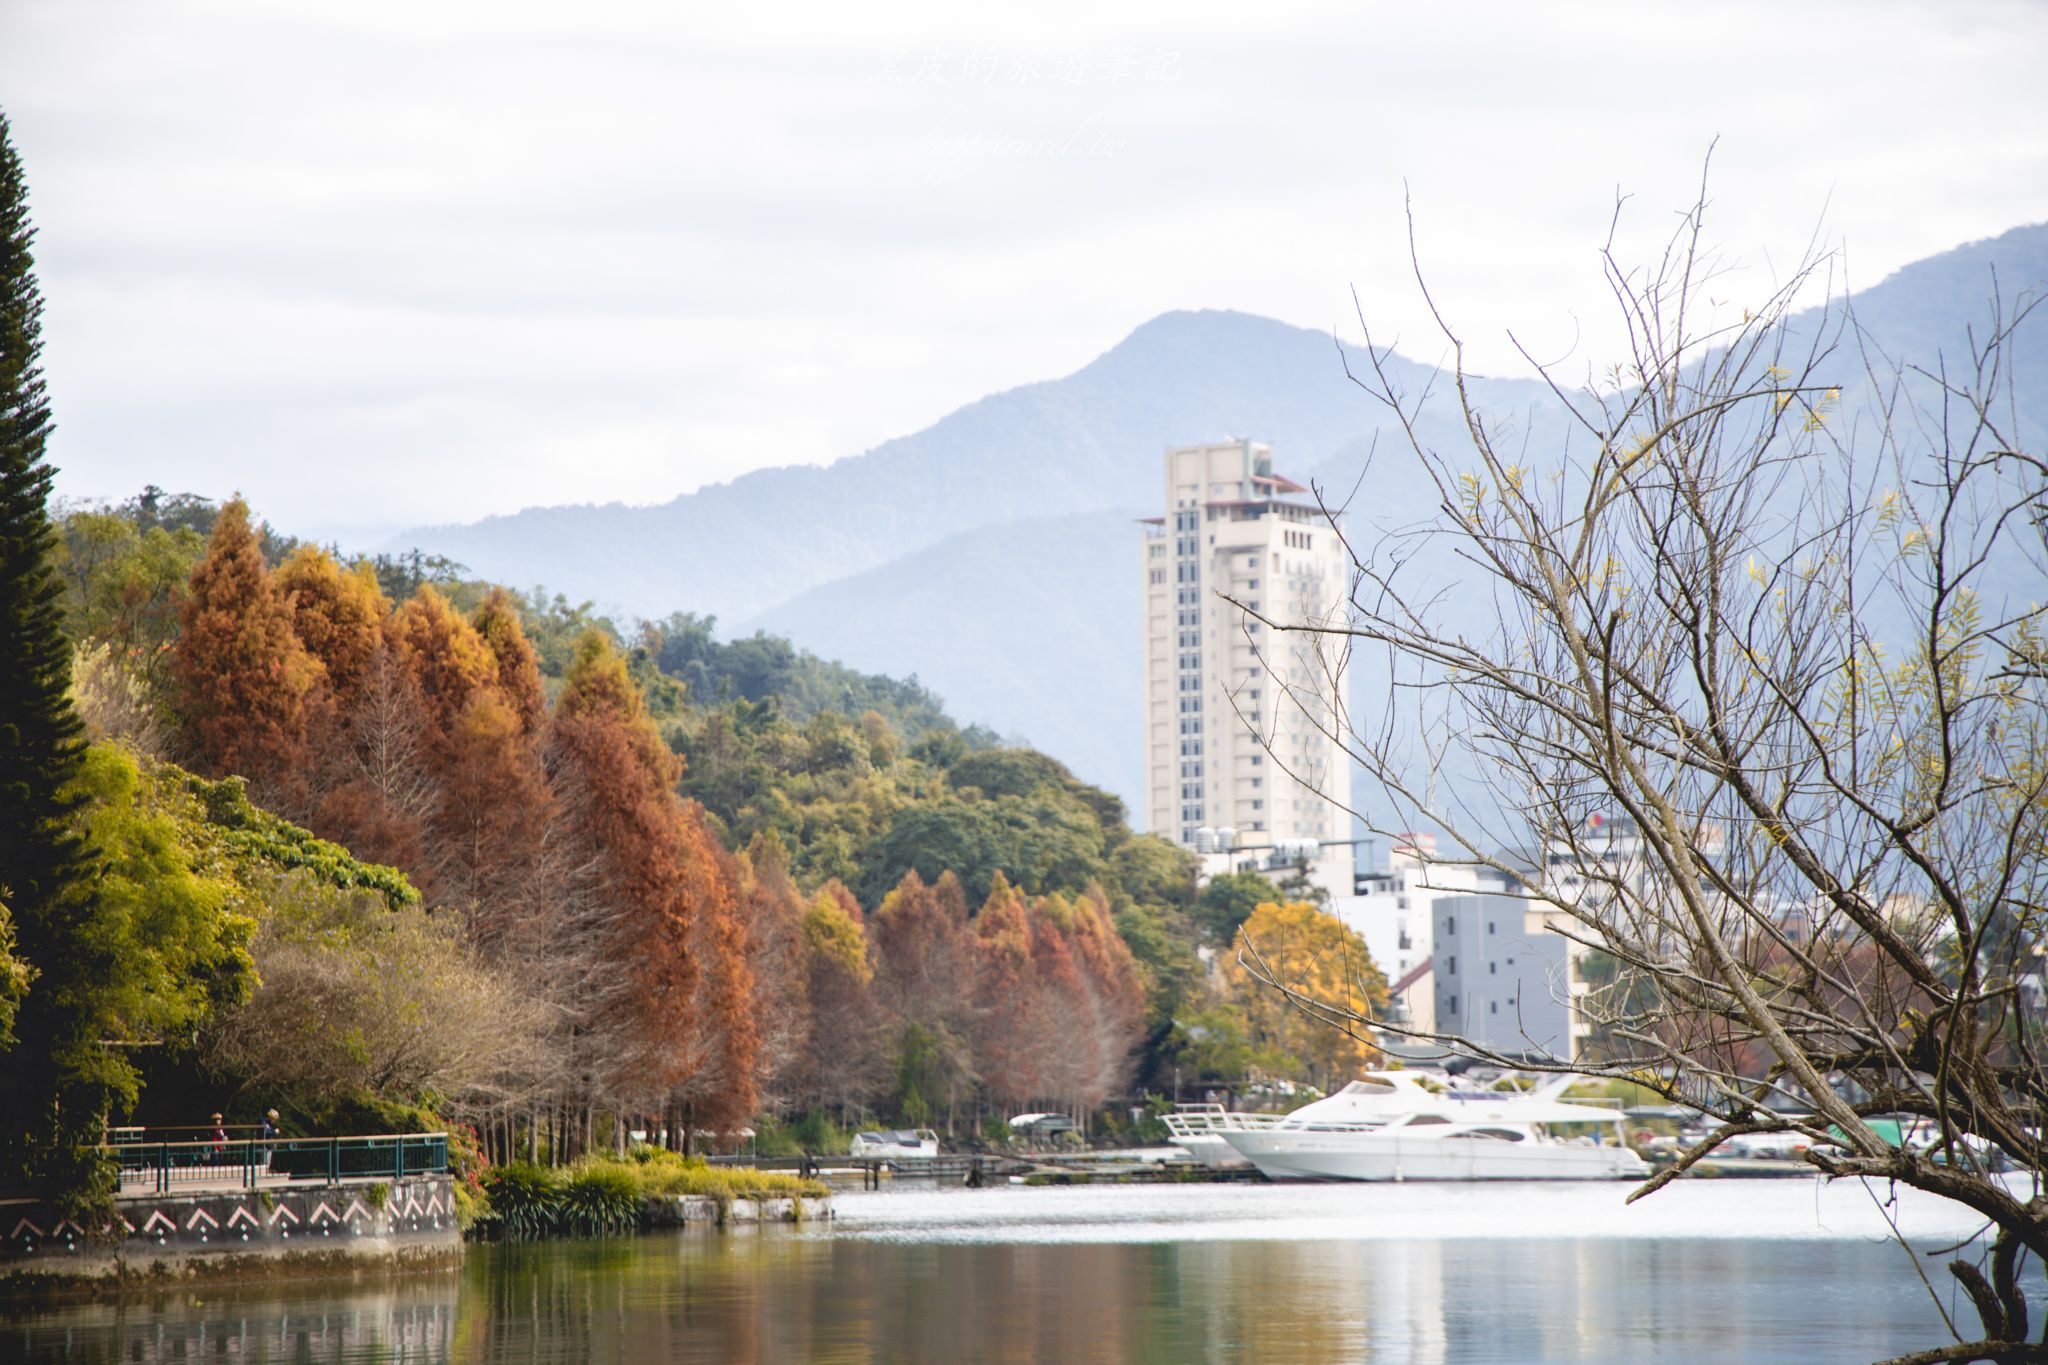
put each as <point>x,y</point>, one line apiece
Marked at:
<point>419,261</point>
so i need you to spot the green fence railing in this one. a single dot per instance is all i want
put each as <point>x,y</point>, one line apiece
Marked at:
<point>247,1162</point>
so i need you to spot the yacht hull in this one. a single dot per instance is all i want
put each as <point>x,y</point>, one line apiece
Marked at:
<point>1284,1155</point>
<point>1210,1149</point>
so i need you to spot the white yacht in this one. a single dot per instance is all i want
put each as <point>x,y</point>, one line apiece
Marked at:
<point>1201,1128</point>
<point>1388,1125</point>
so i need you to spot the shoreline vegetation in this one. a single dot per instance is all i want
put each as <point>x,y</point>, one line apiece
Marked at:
<point>609,1195</point>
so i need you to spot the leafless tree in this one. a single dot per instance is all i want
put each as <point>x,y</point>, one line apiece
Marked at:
<point>1749,666</point>
<point>357,997</point>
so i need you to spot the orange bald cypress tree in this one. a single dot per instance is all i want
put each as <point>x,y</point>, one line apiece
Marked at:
<point>1112,1005</point>
<point>630,921</point>
<point>924,979</point>
<point>338,615</point>
<point>518,668</point>
<point>242,677</point>
<point>445,653</point>
<point>924,962</point>
<point>773,910</point>
<point>490,801</point>
<point>1009,1051</point>
<point>846,1058</point>
<point>722,1090</point>
<point>369,782</point>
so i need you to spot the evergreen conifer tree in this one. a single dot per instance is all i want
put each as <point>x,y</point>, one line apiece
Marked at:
<point>46,1123</point>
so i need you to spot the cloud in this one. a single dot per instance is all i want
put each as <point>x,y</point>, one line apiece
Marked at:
<point>395,264</point>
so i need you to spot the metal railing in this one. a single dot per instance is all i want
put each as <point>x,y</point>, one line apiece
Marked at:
<point>162,1167</point>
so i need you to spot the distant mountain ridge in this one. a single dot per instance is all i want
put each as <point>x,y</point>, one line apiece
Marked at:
<point>1087,442</point>
<point>992,554</point>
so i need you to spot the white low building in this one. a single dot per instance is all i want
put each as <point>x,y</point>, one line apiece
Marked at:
<point>1393,911</point>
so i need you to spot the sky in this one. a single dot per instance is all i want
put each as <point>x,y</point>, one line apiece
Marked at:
<point>378,265</point>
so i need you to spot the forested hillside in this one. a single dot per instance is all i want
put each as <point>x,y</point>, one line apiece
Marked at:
<point>398,845</point>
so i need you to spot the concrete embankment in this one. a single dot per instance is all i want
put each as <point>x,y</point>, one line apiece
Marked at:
<point>674,1211</point>
<point>271,1232</point>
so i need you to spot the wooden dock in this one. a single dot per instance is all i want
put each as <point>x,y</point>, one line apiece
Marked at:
<point>974,1171</point>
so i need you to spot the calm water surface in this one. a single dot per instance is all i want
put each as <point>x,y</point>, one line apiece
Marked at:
<point>1758,1271</point>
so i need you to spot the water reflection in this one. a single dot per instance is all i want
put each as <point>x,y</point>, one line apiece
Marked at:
<point>399,1322</point>
<point>1028,1288</point>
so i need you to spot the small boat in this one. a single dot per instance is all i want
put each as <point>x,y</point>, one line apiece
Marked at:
<point>1389,1126</point>
<point>896,1144</point>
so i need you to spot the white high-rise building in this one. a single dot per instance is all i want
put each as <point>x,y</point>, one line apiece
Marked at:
<point>1242,717</point>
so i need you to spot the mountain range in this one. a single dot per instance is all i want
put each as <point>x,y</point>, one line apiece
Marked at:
<point>993,554</point>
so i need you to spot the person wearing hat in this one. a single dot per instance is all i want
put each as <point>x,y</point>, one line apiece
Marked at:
<point>268,1135</point>
<point>220,1139</point>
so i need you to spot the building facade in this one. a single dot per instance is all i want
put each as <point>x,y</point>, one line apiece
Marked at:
<point>1393,911</point>
<point>1242,715</point>
<point>1503,978</point>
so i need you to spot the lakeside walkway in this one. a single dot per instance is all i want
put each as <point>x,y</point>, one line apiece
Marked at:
<point>186,1166</point>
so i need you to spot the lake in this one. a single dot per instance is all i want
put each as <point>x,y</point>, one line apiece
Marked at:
<point>1729,1270</point>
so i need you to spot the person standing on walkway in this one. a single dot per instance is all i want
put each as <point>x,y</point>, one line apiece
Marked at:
<point>269,1137</point>
<point>220,1140</point>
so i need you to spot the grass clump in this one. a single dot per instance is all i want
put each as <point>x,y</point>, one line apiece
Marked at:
<point>526,1199</point>
<point>601,1198</point>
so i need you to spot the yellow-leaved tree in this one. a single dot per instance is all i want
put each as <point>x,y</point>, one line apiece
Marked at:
<point>1332,984</point>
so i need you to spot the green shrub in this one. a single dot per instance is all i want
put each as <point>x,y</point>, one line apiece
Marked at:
<point>602,1198</point>
<point>377,1195</point>
<point>526,1199</point>
<point>662,1173</point>
<point>603,1195</point>
<point>472,1206</point>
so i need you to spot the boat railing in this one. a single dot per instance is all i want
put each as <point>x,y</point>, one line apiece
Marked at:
<point>1198,1123</point>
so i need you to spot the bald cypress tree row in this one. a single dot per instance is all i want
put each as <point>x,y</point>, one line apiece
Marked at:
<point>50,1109</point>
